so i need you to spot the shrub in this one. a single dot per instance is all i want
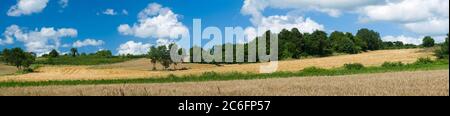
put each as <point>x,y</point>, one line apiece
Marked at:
<point>424,61</point>
<point>313,70</point>
<point>443,52</point>
<point>392,64</point>
<point>428,42</point>
<point>53,53</point>
<point>19,58</point>
<point>354,66</point>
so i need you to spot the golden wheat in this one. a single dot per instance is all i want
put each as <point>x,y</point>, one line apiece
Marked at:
<point>420,83</point>
<point>141,68</point>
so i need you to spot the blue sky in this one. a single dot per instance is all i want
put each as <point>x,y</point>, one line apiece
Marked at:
<point>90,20</point>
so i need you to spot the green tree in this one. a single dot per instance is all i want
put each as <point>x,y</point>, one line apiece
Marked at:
<point>343,43</point>
<point>164,56</point>
<point>299,41</point>
<point>53,53</point>
<point>428,41</point>
<point>371,39</point>
<point>443,52</point>
<point>153,55</point>
<point>6,56</point>
<point>74,52</point>
<point>104,53</point>
<point>18,58</point>
<point>318,44</point>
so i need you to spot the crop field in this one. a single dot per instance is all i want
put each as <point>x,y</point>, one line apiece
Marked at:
<point>5,70</point>
<point>141,68</point>
<point>417,83</point>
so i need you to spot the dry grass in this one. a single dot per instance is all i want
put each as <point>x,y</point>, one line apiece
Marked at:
<point>141,68</point>
<point>420,83</point>
<point>6,70</point>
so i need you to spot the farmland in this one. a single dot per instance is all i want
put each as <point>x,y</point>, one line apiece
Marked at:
<point>141,68</point>
<point>418,83</point>
<point>294,77</point>
<point>5,70</point>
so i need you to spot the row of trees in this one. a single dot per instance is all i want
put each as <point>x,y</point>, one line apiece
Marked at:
<point>18,58</point>
<point>294,45</point>
<point>74,53</point>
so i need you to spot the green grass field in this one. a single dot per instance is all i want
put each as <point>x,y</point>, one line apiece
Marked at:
<point>213,76</point>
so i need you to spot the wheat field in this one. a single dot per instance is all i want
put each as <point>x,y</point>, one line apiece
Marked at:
<point>5,70</point>
<point>419,83</point>
<point>141,68</point>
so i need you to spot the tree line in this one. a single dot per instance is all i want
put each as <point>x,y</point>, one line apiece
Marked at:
<point>292,45</point>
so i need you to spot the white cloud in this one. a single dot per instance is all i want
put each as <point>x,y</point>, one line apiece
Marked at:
<point>63,3</point>
<point>403,38</point>
<point>425,17</point>
<point>277,23</point>
<point>124,12</point>
<point>412,40</point>
<point>334,8</point>
<point>9,34</point>
<point>6,41</point>
<point>134,48</point>
<point>429,27</point>
<point>40,41</point>
<point>407,10</point>
<point>155,21</point>
<point>27,7</point>
<point>88,42</point>
<point>110,12</point>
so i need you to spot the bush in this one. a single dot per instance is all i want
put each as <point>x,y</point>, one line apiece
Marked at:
<point>354,66</point>
<point>371,39</point>
<point>313,70</point>
<point>428,42</point>
<point>17,57</point>
<point>443,52</point>
<point>424,61</point>
<point>392,64</point>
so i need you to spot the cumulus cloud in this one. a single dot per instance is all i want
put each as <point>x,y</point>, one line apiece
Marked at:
<point>276,23</point>
<point>412,40</point>
<point>27,7</point>
<point>9,34</point>
<point>155,21</point>
<point>334,8</point>
<point>88,42</point>
<point>403,38</point>
<point>109,11</point>
<point>40,41</point>
<point>426,17</point>
<point>134,48</point>
<point>431,26</point>
<point>407,10</point>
